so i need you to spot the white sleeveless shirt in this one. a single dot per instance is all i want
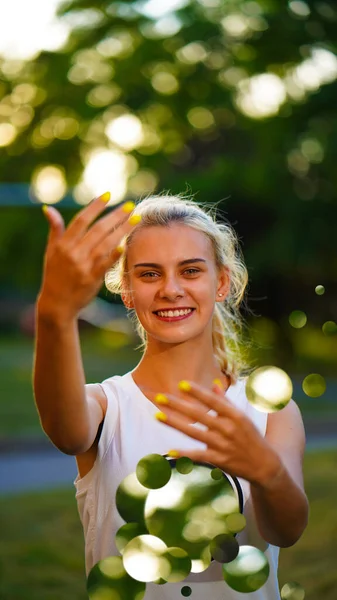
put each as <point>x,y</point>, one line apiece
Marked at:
<point>129,433</point>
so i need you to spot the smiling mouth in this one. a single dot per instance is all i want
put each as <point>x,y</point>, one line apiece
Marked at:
<point>174,315</point>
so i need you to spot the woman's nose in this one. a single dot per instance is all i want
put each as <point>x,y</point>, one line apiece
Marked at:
<point>171,288</point>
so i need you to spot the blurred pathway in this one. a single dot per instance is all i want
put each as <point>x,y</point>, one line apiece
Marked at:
<point>38,465</point>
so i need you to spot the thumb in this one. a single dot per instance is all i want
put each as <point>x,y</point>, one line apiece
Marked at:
<point>56,223</point>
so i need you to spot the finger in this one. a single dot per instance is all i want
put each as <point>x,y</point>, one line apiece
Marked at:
<point>212,399</point>
<point>212,457</point>
<point>56,224</point>
<point>110,249</point>
<point>208,437</point>
<point>80,223</point>
<point>107,225</point>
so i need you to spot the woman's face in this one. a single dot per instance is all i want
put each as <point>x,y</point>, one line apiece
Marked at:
<point>173,269</point>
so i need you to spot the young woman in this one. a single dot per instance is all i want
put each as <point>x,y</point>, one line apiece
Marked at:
<point>182,274</point>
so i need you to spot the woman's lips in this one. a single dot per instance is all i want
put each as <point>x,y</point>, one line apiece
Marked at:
<point>171,319</point>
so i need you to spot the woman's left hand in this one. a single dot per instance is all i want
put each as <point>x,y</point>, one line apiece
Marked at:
<point>233,442</point>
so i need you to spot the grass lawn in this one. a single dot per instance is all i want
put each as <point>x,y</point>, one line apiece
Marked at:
<point>101,359</point>
<point>42,549</point>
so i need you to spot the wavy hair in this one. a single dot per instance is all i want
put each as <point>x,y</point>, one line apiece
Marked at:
<point>227,323</point>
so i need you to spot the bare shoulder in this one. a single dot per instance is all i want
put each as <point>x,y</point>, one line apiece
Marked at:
<point>97,406</point>
<point>285,433</point>
<point>286,426</point>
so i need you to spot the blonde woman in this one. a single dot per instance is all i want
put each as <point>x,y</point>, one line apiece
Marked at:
<point>183,276</point>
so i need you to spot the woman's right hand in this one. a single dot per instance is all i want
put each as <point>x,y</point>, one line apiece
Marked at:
<point>77,257</point>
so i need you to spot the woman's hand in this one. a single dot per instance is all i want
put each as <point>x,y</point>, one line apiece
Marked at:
<point>77,258</point>
<point>233,442</point>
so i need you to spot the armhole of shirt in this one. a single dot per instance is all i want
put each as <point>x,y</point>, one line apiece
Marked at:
<point>107,430</point>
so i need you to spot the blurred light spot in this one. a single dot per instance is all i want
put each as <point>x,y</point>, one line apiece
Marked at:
<point>155,10</point>
<point>23,93</point>
<point>22,116</point>
<point>329,328</point>
<point>8,134</point>
<point>144,182</point>
<point>313,72</point>
<point>165,83</point>
<point>66,128</point>
<point>184,465</point>
<point>314,385</point>
<point>165,27</point>
<point>119,44</point>
<point>261,95</point>
<point>320,290</point>
<point>192,53</point>
<point>153,471</point>
<point>151,141</point>
<point>105,170</point>
<point>126,131</point>
<point>104,94</point>
<point>179,564</point>
<point>224,548</point>
<point>297,319</point>
<point>248,572</point>
<point>84,18</point>
<point>326,10</point>
<point>12,68</point>
<point>236,25</point>
<point>108,580</point>
<point>142,558</point>
<point>299,8</point>
<point>297,163</point>
<point>200,117</point>
<point>292,591</point>
<point>312,150</point>
<point>49,184</point>
<point>236,522</point>
<point>232,76</point>
<point>252,8</point>
<point>269,389</point>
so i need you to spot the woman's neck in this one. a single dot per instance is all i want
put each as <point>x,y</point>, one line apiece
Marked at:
<point>163,367</point>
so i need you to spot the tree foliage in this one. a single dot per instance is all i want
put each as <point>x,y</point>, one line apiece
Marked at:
<point>236,101</point>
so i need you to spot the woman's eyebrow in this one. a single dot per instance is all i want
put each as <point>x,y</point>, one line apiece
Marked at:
<point>187,261</point>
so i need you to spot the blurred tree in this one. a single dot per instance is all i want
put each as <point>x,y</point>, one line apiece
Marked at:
<point>232,99</point>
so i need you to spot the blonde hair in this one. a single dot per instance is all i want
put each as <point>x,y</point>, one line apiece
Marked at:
<point>227,322</point>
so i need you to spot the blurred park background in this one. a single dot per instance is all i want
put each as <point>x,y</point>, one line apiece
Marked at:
<point>232,101</point>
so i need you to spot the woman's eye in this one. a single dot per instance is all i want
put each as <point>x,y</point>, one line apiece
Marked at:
<point>192,271</point>
<point>149,274</point>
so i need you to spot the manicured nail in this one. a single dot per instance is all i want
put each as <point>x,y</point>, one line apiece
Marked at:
<point>218,382</point>
<point>184,386</point>
<point>128,207</point>
<point>173,453</point>
<point>119,249</point>
<point>45,209</point>
<point>134,219</point>
<point>105,197</point>
<point>161,399</point>
<point>160,416</point>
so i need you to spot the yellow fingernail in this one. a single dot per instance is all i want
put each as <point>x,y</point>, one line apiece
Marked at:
<point>128,207</point>
<point>160,416</point>
<point>173,453</point>
<point>120,249</point>
<point>161,399</point>
<point>105,197</point>
<point>45,209</point>
<point>184,386</point>
<point>218,382</point>
<point>134,219</point>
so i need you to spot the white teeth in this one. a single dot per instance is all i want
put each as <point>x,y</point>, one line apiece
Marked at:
<point>174,313</point>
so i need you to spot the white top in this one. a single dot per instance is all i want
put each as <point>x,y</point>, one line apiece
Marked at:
<point>129,433</point>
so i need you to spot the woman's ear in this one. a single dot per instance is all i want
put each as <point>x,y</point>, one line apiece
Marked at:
<point>127,300</point>
<point>223,285</point>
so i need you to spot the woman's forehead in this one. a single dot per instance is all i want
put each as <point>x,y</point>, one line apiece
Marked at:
<point>177,239</point>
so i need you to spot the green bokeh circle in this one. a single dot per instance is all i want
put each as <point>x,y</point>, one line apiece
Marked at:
<point>153,471</point>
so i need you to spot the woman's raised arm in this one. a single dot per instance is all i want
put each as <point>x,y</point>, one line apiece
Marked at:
<point>76,260</point>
